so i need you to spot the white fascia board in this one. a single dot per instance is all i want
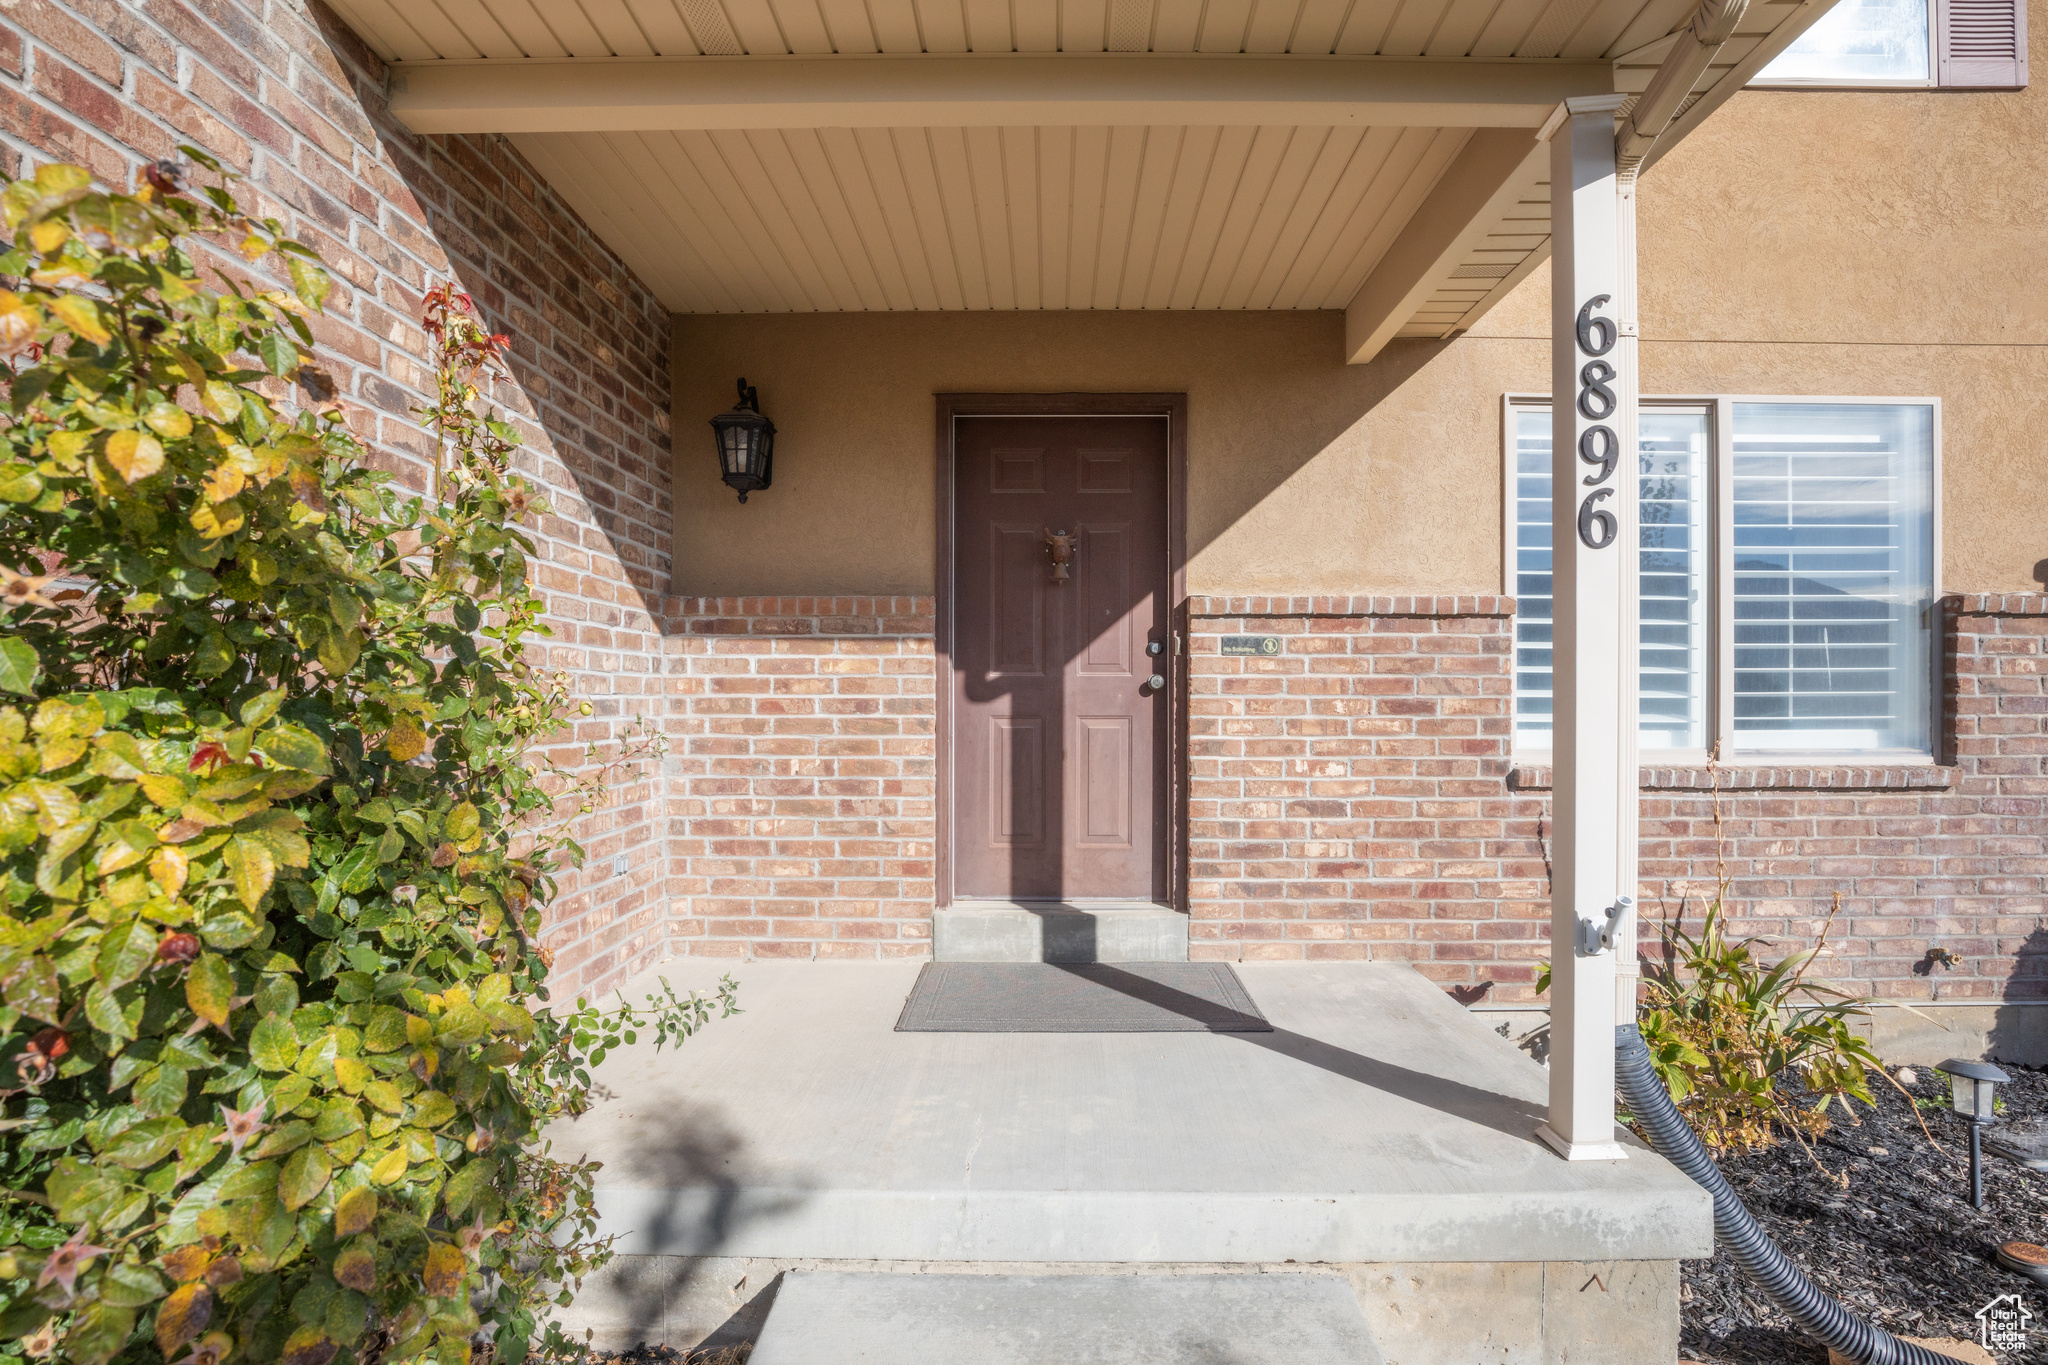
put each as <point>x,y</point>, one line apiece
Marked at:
<point>608,94</point>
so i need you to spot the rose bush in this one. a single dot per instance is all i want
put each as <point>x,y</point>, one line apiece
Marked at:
<point>275,1054</point>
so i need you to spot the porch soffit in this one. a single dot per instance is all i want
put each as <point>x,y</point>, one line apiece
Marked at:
<point>851,155</point>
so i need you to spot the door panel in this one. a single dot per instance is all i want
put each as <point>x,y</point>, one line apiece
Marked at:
<point>1061,744</point>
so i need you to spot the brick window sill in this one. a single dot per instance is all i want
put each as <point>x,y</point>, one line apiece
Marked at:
<point>1790,777</point>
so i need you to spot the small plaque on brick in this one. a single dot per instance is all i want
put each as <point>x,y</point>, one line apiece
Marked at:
<point>1265,645</point>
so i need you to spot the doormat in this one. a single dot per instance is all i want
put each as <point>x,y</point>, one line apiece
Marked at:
<point>1092,997</point>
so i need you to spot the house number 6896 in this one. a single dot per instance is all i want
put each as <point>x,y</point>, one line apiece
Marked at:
<point>1597,443</point>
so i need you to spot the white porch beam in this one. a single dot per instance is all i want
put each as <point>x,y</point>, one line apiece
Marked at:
<point>608,94</point>
<point>1594,566</point>
<point>1476,191</point>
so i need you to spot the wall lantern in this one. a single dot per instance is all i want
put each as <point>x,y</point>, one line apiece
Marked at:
<point>1972,1087</point>
<point>746,444</point>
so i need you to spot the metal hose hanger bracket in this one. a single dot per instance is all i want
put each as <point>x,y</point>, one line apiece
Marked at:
<point>1736,1228</point>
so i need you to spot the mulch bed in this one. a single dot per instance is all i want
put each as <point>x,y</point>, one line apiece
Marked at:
<point>1899,1243</point>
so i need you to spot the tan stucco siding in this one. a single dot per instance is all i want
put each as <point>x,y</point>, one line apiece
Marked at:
<point>1304,474</point>
<point>1801,243</point>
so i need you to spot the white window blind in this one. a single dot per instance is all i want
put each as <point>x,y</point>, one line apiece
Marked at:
<point>1832,576</point>
<point>1823,577</point>
<point>1672,464</point>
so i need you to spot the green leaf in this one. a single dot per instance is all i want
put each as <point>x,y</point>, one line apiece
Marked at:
<point>273,1045</point>
<point>145,1144</point>
<point>210,988</point>
<point>161,1090</point>
<point>468,1183</point>
<point>124,952</point>
<point>310,282</point>
<point>278,354</point>
<point>19,666</point>
<point>32,988</point>
<point>304,1176</point>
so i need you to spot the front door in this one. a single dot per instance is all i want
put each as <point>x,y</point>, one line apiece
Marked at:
<point>1060,731</point>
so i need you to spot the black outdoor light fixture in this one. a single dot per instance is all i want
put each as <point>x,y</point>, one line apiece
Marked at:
<point>746,444</point>
<point>1972,1093</point>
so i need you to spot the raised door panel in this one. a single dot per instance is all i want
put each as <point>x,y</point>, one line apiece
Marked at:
<point>1103,781</point>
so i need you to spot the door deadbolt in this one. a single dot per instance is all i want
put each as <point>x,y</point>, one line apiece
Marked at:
<point>1155,649</point>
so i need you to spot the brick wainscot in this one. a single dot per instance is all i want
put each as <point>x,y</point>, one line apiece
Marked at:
<point>1356,796</point>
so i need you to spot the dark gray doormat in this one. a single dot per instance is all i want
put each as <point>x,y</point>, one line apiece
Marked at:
<point>1093,997</point>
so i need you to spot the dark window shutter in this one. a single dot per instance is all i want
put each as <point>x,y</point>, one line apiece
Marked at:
<point>1981,44</point>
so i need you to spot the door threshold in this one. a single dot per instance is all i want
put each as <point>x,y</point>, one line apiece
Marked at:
<point>1059,931</point>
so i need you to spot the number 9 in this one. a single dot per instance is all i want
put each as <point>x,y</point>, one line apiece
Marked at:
<point>1588,325</point>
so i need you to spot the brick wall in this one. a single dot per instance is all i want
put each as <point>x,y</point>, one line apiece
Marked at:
<point>1347,796</point>
<point>800,785</point>
<point>1355,796</point>
<point>284,94</point>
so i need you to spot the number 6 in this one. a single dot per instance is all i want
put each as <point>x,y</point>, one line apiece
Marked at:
<point>1589,519</point>
<point>1588,324</point>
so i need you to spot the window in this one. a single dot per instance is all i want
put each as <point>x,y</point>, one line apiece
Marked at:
<point>1787,565</point>
<point>1952,44</point>
<point>1859,42</point>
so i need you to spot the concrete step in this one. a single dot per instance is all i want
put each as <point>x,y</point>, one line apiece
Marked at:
<point>1059,931</point>
<point>840,1318</point>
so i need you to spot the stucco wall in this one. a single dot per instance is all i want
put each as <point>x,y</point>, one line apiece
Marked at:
<point>1802,242</point>
<point>1304,474</point>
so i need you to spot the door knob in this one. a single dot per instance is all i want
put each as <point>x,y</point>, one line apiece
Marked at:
<point>1156,683</point>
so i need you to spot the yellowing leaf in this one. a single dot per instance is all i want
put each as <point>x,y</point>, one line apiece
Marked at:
<point>135,455</point>
<point>183,1316</point>
<point>168,868</point>
<point>352,1074</point>
<point>249,860</point>
<point>49,234</point>
<point>406,740</point>
<point>462,823</point>
<point>210,988</point>
<point>222,399</point>
<point>18,322</point>
<point>446,1266</point>
<point>216,521</point>
<point>224,482</point>
<point>168,420</point>
<point>309,1346</point>
<point>356,1268</point>
<point>355,1212</point>
<point>254,247</point>
<point>82,317</point>
<point>390,1168</point>
<point>304,1176</point>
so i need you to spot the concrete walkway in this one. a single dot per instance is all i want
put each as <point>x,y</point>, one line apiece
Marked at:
<point>1379,1122</point>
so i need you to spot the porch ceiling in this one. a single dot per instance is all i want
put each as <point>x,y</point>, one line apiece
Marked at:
<point>831,219</point>
<point>849,155</point>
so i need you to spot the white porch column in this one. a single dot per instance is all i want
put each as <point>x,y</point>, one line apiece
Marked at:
<point>1594,567</point>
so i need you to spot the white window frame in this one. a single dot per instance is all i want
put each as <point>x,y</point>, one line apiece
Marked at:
<point>1930,81</point>
<point>1720,572</point>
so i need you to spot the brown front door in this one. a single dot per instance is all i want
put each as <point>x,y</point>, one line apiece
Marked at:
<point>1059,735</point>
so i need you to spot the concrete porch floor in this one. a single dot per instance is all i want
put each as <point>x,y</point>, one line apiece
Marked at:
<point>1379,1122</point>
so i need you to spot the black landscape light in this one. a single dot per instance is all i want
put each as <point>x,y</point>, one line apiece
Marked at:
<point>746,444</point>
<point>1972,1093</point>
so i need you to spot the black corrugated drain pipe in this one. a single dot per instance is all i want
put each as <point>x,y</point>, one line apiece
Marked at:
<point>1736,1228</point>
